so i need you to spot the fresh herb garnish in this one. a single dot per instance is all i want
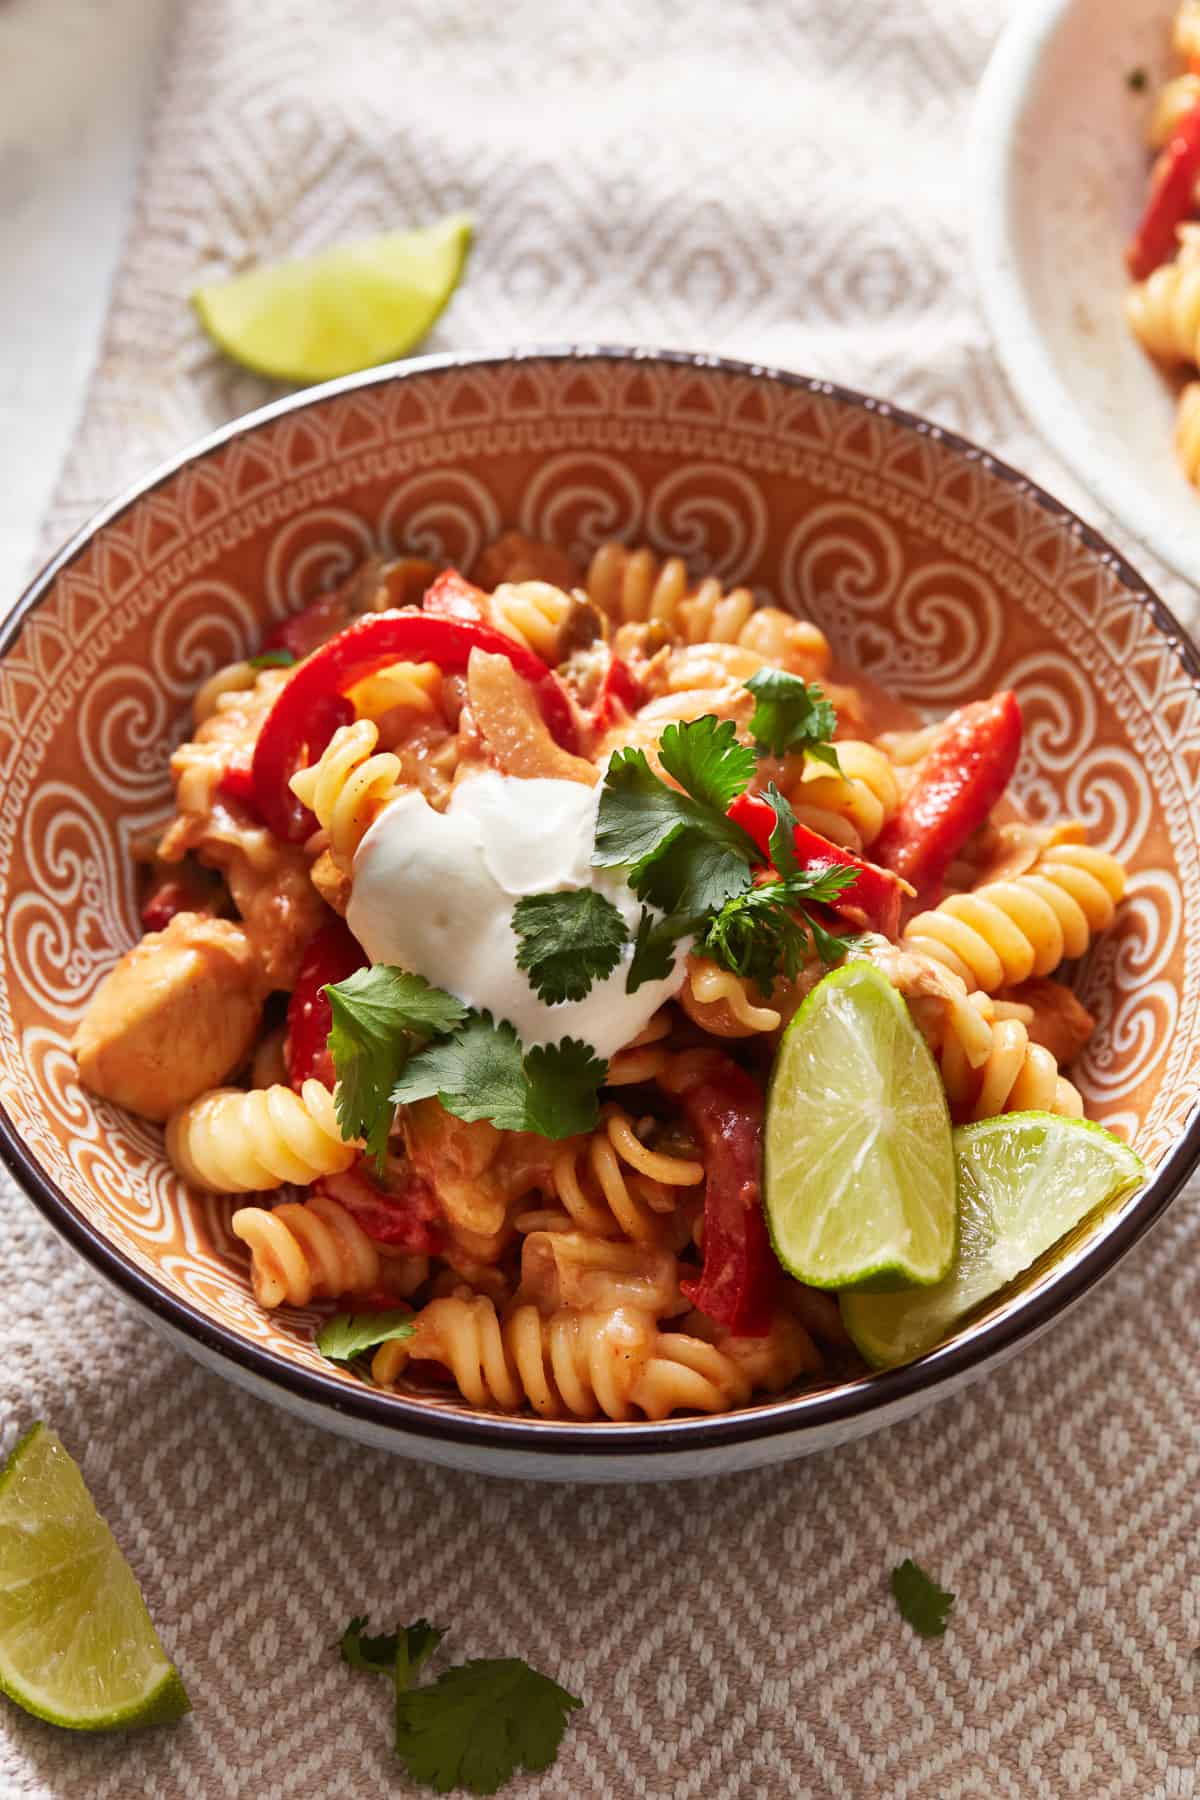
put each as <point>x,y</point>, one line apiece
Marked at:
<point>1137,81</point>
<point>568,941</point>
<point>473,1727</point>
<point>789,714</point>
<point>924,1604</point>
<point>348,1335</point>
<point>767,933</point>
<point>380,1016</point>
<point>655,945</point>
<point>482,1072</point>
<point>479,1723</point>
<point>272,659</point>
<point>379,1654</point>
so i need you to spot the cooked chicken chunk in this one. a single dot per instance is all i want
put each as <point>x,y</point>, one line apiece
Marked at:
<point>176,1016</point>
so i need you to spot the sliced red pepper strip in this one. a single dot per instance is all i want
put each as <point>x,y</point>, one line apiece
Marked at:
<point>310,708</point>
<point>969,767</point>
<point>174,895</point>
<point>875,895</point>
<point>620,693</point>
<point>738,1283</point>
<point>1171,201</point>
<point>306,630</point>
<point>330,955</point>
<point>406,1217</point>
<point>237,781</point>
<point>452,596</point>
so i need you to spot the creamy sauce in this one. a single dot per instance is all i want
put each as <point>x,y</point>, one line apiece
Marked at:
<point>434,894</point>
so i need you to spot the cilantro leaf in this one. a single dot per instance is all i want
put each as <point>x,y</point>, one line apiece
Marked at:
<point>707,761</point>
<point>767,932</point>
<point>382,1654</point>
<point>791,715</point>
<point>482,1073</point>
<point>638,812</point>
<point>782,842</point>
<point>654,947</point>
<point>379,1016</point>
<point>923,1604</point>
<point>347,1335</point>
<point>272,659</point>
<point>692,872</point>
<point>568,941</point>
<point>479,1722</point>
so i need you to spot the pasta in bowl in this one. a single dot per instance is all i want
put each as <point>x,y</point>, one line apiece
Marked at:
<point>500,852</point>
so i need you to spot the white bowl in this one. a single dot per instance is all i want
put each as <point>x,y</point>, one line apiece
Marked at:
<point>1058,178</point>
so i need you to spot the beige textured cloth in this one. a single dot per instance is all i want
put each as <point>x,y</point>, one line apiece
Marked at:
<point>782,181</point>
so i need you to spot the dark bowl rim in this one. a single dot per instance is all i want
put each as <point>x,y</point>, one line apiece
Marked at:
<point>884,1391</point>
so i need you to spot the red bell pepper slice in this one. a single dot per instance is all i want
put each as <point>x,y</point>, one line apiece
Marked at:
<point>330,955</point>
<point>874,895</point>
<point>237,781</point>
<point>452,596</point>
<point>174,895</point>
<point>306,630</point>
<point>310,708</point>
<point>1171,201</point>
<point>406,1217</point>
<point>620,693</point>
<point>969,767</point>
<point>738,1282</point>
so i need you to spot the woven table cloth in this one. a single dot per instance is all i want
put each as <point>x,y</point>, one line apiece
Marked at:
<point>784,181</point>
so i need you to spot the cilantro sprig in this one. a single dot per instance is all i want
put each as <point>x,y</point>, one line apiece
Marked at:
<point>473,1727</point>
<point>922,1603</point>
<point>348,1335</point>
<point>380,1016</point>
<point>482,1072</point>
<point>568,941</point>
<point>790,714</point>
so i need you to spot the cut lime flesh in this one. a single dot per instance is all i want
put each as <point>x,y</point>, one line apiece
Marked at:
<point>76,1643</point>
<point>858,1168</point>
<point>1025,1179</point>
<point>346,308</point>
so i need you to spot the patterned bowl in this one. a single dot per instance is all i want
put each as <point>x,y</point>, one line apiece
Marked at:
<point>938,571</point>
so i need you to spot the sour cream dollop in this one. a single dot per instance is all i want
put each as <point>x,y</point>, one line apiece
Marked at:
<point>434,894</point>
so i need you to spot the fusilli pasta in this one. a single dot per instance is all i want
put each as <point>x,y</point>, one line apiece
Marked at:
<point>534,613</point>
<point>1006,931</point>
<point>852,808</point>
<point>348,787</point>
<point>314,1249</point>
<point>235,1142</point>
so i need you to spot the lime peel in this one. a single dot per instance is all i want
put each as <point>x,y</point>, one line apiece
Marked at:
<point>346,308</point>
<point>77,1646</point>
<point>1025,1181</point>
<point>858,1169</point>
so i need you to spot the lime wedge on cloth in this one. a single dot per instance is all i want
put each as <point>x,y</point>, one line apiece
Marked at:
<point>346,308</point>
<point>858,1168</point>
<point>1024,1180</point>
<point>76,1643</point>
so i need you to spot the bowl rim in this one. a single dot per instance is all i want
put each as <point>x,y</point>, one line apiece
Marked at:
<point>880,1391</point>
<point>994,139</point>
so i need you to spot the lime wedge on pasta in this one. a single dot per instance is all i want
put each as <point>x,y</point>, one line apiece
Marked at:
<point>1025,1179</point>
<point>76,1643</point>
<point>858,1169</point>
<point>346,308</point>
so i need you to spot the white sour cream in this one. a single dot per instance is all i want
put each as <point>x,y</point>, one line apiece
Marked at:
<point>434,893</point>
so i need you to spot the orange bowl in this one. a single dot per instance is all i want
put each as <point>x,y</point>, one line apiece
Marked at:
<point>938,571</point>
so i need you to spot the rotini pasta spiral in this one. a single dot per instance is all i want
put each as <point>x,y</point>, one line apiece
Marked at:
<point>348,787</point>
<point>723,1003</point>
<point>233,1142</point>
<point>1187,432</point>
<point>1004,932</point>
<point>534,613</point>
<point>1164,311</point>
<point>612,1184</point>
<point>315,1249</point>
<point>637,586</point>
<point>1016,1076</point>
<point>614,1363</point>
<point>406,687</point>
<point>850,809</point>
<point>234,678</point>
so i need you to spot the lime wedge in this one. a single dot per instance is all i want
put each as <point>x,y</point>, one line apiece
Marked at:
<point>347,308</point>
<point>1024,1180</point>
<point>76,1643</point>
<point>858,1166</point>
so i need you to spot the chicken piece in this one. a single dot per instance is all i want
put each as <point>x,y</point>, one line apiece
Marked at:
<point>1061,1024</point>
<point>332,883</point>
<point>475,1170</point>
<point>176,1016</point>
